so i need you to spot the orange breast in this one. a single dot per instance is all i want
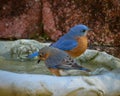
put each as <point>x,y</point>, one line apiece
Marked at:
<point>80,49</point>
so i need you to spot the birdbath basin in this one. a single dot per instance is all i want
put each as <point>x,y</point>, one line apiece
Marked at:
<point>20,76</point>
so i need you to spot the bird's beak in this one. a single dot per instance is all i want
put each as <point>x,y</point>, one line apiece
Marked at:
<point>90,29</point>
<point>42,58</point>
<point>38,61</point>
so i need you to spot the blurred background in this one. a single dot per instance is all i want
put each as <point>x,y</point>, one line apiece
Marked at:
<point>47,20</point>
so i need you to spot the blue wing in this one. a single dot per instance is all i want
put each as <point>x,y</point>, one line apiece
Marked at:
<point>33,55</point>
<point>65,44</point>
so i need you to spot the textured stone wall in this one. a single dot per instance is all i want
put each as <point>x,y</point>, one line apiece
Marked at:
<point>35,18</point>
<point>19,18</point>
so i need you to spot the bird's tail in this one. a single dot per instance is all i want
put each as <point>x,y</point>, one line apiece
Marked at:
<point>84,69</point>
<point>81,68</point>
<point>33,55</point>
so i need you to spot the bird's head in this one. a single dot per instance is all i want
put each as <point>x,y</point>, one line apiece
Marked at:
<point>79,30</point>
<point>43,53</point>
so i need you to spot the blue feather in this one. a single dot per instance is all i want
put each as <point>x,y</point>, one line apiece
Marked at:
<point>33,55</point>
<point>65,44</point>
<point>84,69</point>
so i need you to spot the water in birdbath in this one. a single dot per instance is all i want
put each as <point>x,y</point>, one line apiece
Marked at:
<point>16,65</point>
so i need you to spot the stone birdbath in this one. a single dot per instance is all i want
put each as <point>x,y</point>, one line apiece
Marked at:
<point>20,76</point>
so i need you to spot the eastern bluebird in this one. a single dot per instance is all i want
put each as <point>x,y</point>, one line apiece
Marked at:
<point>56,60</point>
<point>74,42</point>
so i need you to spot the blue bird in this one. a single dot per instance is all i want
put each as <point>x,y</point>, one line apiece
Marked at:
<point>73,42</point>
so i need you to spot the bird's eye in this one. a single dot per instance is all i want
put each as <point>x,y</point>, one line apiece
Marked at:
<point>41,54</point>
<point>84,30</point>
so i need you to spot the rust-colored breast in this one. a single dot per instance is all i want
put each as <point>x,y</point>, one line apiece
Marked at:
<point>80,49</point>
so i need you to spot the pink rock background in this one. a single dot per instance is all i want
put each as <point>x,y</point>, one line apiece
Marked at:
<point>45,20</point>
<point>19,19</point>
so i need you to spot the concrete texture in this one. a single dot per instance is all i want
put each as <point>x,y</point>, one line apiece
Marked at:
<point>103,80</point>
